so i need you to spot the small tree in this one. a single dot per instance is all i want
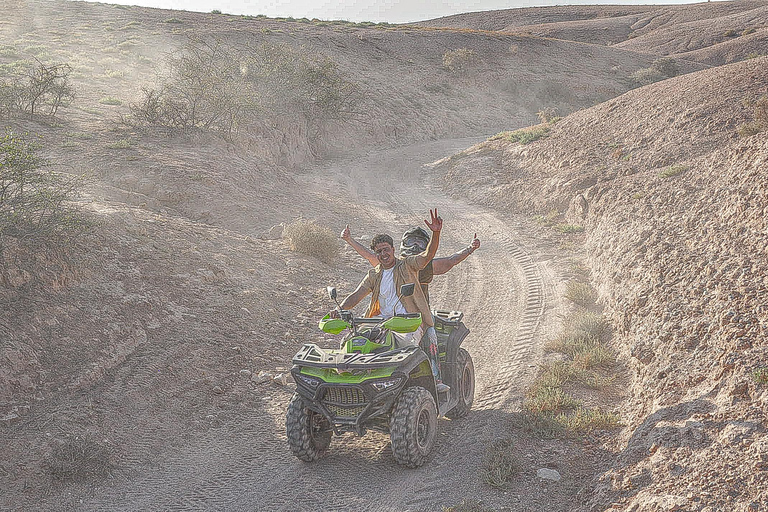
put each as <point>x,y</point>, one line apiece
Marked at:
<point>201,91</point>
<point>34,202</point>
<point>39,90</point>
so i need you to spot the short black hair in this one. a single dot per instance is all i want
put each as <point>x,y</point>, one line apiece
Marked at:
<point>382,239</point>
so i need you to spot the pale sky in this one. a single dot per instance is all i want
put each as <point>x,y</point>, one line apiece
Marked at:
<point>392,11</point>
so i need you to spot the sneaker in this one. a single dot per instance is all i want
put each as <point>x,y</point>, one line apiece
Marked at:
<point>442,388</point>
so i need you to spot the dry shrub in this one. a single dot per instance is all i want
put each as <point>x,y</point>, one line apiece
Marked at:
<point>78,458</point>
<point>458,60</point>
<point>750,129</point>
<point>666,66</point>
<point>547,115</point>
<point>760,114</point>
<point>215,86</point>
<point>311,239</point>
<point>581,293</point>
<point>761,111</point>
<point>501,464</point>
<point>647,76</point>
<point>37,90</point>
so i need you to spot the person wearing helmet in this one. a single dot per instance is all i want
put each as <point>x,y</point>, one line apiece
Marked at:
<point>414,241</point>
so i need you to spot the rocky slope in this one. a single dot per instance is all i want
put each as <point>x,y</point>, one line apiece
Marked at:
<point>674,204</point>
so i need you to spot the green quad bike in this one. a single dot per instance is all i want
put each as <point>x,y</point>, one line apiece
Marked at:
<point>375,381</point>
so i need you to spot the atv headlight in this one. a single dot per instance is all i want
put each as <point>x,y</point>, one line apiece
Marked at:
<point>383,385</point>
<point>310,382</point>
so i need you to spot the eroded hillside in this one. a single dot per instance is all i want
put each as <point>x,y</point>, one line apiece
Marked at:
<point>709,33</point>
<point>673,202</point>
<point>145,340</point>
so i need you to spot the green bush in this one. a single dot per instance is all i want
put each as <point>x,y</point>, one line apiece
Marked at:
<point>589,325</point>
<point>569,228</point>
<point>309,238</point>
<point>524,135</point>
<point>110,100</point>
<point>35,203</point>
<point>548,399</point>
<point>760,375</point>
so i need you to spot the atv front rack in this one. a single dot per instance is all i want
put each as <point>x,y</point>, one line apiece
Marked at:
<point>312,355</point>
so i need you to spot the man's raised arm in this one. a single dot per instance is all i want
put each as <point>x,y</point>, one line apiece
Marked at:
<point>435,224</point>
<point>443,265</point>
<point>358,247</point>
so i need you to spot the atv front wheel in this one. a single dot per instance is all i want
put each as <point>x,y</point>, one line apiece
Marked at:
<point>308,432</point>
<point>413,427</point>
<point>466,385</point>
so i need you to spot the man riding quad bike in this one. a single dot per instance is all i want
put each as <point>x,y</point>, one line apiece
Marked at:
<point>378,380</point>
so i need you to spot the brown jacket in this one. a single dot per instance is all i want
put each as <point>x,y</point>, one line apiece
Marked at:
<point>406,271</point>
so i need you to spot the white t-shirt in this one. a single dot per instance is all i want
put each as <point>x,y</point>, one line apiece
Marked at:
<point>388,303</point>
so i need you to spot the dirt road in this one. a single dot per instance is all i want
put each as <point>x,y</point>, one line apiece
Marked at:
<point>507,292</point>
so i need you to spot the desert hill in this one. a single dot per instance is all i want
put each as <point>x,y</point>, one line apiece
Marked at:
<point>144,340</point>
<point>673,204</point>
<point>710,33</point>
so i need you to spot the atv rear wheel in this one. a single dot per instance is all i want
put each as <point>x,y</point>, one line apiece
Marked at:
<point>466,385</point>
<point>413,427</point>
<point>308,432</point>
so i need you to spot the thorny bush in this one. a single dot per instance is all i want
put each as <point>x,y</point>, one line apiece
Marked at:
<point>214,86</point>
<point>37,90</point>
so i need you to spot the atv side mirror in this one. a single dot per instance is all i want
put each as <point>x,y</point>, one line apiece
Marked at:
<point>407,290</point>
<point>332,292</point>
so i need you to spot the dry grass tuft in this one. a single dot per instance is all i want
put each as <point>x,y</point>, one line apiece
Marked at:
<point>501,464</point>
<point>309,238</point>
<point>672,170</point>
<point>586,420</point>
<point>760,114</point>
<point>524,135</point>
<point>550,411</point>
<point>581,294</point>
<point>760,375</point>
